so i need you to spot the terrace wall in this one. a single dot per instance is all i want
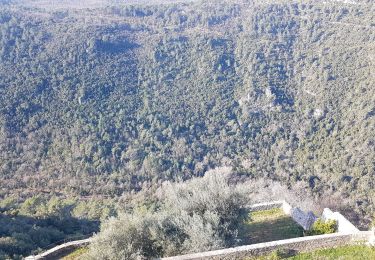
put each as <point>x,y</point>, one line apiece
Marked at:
<point>294,244</point>
<point>267,205</point>
<point>60,250</point>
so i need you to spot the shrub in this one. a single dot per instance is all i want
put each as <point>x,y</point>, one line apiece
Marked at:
<point>213,199</point>
<point>321,227</point>
<point>126,237</point>
<point>198,215</point>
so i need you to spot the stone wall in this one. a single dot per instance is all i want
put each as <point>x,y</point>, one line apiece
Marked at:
<point>61,250</point>
<point>343,225</point>
<point>266,206</point>
<point>295,244</point>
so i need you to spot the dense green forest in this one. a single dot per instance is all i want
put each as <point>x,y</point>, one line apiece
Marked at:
<point>105,99</point>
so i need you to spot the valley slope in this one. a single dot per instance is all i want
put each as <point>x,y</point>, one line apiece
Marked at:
<point>119,97</point>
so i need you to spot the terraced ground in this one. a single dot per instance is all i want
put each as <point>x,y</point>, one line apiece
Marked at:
<point>258,227</point>
<point>77,254</point>
<point>354,252</point>
<point>351,252</point>
<point>268,225</point>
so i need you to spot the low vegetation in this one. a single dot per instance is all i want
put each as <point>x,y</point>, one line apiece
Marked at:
<point>352,252</point>
<point>39,222</point>
<point>24,224</point>
<point>198,215</point>
<point>269,225</point>
<point>77,254</point>
<point>321,227</point>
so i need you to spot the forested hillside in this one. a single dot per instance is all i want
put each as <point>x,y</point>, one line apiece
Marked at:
<point>109,98</point>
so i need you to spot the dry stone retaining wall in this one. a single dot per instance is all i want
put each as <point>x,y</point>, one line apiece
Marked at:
<point>60,250</point>
<point>295,244</point>
<point>266,206</point>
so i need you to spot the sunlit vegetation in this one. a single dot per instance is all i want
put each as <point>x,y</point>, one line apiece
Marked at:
<point>350,252</point>
<point>194,216</point>
<point>354,252</point>
<point>321,227</point>
<point>40,223</point>
<point>103,104</point>
<point>77,254</point>
<point>268,225</point>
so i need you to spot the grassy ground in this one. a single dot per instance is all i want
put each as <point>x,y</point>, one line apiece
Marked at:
<point>268,225</point>
<point>350,252</point>
<point>77,254</point>
<point>353,252</point>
